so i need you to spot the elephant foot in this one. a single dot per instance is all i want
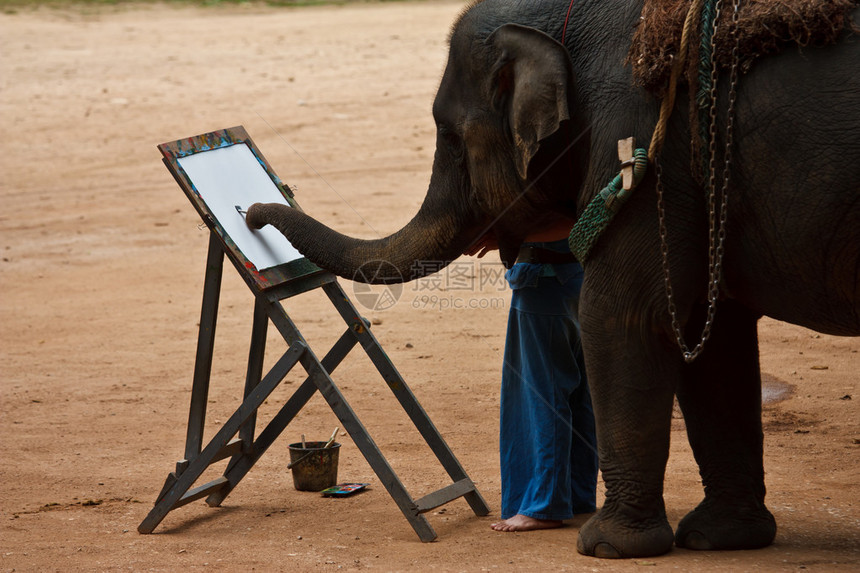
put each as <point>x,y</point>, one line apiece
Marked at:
<point>714,525</point>
<point>609,536</point>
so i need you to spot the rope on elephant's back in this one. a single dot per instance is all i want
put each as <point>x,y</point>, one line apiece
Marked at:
<point>668,102</point>
<point>605,204</point>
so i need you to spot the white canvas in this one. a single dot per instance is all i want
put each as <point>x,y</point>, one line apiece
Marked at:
<point>231,176</point>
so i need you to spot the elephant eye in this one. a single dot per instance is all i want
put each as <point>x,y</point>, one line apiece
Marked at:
<point>448,134</point>
<point>452,140</point>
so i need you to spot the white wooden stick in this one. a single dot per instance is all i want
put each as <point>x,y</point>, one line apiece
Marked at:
<point>331,439</point>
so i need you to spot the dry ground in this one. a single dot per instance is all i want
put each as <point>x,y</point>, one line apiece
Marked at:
<point>101,272</point>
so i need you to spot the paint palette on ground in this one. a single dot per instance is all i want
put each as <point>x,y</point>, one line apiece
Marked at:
<point>343,489</point>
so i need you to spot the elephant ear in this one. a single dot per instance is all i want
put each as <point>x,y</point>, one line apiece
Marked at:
<point>531,77</point>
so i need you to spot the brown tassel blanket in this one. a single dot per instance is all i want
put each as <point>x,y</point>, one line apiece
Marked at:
<point>765,27</point>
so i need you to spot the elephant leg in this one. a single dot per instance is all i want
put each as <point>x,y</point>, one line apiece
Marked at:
<point>632,391</point>
<point>720,396</point>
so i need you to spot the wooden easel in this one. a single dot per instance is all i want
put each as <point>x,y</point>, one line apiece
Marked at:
<point>236,438</point>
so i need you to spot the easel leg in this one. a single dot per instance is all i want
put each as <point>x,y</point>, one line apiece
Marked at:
<point>256,355</point>
<point>406,398</point>
<point>205,346</point>
<point>375,458</point>
<point>243,464</point>
<point>174,497</point>
<point>355,428</point>
<point>202,362</point>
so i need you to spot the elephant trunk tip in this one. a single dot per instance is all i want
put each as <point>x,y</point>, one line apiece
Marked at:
<point>255,217</point>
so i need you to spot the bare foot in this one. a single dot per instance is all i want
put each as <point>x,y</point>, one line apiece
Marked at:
<point>525,523</point>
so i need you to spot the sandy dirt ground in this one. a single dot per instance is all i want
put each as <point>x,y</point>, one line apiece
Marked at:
<point>102,268</point>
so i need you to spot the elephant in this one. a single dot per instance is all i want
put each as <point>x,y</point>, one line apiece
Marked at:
<point>527,124</point>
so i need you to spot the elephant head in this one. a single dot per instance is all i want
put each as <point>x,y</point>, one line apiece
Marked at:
<point>502,116</point>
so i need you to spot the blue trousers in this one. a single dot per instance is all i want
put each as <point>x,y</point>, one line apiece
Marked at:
<point>548,446</point>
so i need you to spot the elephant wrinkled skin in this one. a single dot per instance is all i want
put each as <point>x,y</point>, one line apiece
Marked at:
<point>526,132</point>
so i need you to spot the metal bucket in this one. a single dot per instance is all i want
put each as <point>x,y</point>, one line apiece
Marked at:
<point>314,467</point>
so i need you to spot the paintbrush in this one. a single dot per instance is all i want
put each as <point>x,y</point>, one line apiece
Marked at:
<point>330,441</point>
<point>327,445</point>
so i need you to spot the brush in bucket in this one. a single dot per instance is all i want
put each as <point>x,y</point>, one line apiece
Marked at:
<point>314,464</point>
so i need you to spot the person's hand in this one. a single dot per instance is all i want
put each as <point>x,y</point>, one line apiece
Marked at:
<point>486,243</point>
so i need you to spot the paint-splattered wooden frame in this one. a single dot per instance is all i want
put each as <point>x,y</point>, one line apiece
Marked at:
<point>174,150</point>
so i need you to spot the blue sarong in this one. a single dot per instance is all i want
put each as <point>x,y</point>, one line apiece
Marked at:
<point>547,440</point>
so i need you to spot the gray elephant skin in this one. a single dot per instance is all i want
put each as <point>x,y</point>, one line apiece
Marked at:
<point>527,131</point>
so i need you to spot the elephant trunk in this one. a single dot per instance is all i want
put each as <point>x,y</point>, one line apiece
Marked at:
<point>428,243</point>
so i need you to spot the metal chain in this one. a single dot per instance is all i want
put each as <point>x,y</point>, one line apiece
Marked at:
<point>716,228</point>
